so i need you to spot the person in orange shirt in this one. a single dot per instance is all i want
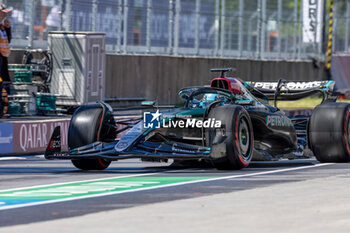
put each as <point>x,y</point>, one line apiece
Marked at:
<point>5,39</point>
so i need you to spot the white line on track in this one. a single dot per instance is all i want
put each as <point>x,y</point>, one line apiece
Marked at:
<point>154,187</point>
<point>72,182</point>
<point>21,157</point>
<point>11,158</point>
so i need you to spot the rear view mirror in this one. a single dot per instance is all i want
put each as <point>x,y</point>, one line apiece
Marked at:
<point>148,103</point>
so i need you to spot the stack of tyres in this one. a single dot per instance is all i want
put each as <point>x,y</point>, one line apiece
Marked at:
<point>4,100</point>
<point>45,103</point>
<point>23,77</point>
<point>14,109</point>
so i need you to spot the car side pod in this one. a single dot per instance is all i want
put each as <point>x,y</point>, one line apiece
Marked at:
<point>54,146</point>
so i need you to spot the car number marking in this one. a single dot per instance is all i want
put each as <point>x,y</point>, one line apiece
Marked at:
<point>132,135</point>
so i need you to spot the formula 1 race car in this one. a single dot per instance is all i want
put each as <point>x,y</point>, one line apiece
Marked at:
<point>228,123</point>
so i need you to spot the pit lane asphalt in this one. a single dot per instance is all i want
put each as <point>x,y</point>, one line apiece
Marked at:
<point>18,172</point>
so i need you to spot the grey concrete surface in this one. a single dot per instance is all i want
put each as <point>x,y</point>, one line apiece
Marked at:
<point>318,205</point>
<point>281,198</point>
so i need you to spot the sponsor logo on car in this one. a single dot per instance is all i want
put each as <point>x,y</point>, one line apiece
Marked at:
<point>288,85</point>
<point>54,144</point>
<point>278,121</point>
<point>122,145</point>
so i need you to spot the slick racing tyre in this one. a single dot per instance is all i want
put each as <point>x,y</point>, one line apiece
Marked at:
<point>231,144</point>
<point>88,125</point>
<point>328,132</point>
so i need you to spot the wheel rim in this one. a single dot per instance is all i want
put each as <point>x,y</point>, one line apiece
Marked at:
<point>244,137</point>
<point>104,163</point>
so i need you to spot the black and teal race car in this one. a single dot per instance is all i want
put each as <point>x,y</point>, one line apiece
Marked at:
<point>228,123</point>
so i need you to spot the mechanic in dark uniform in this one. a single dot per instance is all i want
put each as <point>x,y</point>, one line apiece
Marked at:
<point>5,38</point>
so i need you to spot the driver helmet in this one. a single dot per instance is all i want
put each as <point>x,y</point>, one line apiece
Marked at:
<point>210,98</point>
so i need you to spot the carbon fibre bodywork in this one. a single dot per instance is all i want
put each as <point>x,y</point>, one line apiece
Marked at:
<point>275,134</point>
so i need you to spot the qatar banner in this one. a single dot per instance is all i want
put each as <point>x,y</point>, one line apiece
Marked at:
<point>34,136</point>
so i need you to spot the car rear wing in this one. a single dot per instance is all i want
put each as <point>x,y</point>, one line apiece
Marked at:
<point>292,90</point>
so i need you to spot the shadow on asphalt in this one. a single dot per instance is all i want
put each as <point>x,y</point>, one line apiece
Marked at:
<point>281,163</point>
<point>24,168</point>
<point>61,170</point>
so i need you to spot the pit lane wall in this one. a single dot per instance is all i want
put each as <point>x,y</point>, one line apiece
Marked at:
<point>340,69</point>
<point>32,136</point>
<point>133,78</point>
<point>151,77</point>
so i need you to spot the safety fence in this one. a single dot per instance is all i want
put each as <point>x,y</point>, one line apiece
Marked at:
<point>253,29</point>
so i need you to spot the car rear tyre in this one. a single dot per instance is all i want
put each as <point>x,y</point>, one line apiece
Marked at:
<point>87,126</point>
<point>328,132</point>
<point>231,144</point>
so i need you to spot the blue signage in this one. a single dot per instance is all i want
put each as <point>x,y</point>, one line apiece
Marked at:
<point>6,138</point>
